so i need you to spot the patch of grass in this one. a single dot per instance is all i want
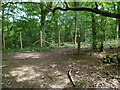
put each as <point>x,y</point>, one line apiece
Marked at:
<point>38,48</point>
<point>33,49</point>
<point>108,43</point>
<point>60,77</point>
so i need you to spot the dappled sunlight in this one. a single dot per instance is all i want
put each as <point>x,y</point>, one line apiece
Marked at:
<point>50,69</point>
<point>61,80</point>
<point>31,73</point>
<point>103,82</point>
<point>25,73</point>
<point>99,55</point>
<point>60,84</point>
<point>27,55</point>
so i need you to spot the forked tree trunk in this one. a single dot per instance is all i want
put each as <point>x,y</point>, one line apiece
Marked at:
<point>44,11</point>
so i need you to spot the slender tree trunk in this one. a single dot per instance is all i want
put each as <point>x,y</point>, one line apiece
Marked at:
<point>71,35</point>
<point>4,47</point>
<point>56,31</point>
<point>102,31</point>
<point>118,24</point>
<point>85,36</point>
<point>117,28</point>
<point>3,35</point>
<point>58,38</point>
<point>42,32</point>
<point>94,43</point>
<point>40,38</point>
<point>118,31</point>
<point>43,22</point>
<point>118,9</point>
<point>86,29</point>
<point>43,16</point>
<point>78,41</point>
<point>75,31</point>
<point>21,40</point>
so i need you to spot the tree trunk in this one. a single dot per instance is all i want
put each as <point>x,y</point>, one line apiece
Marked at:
<point>44,12</point>
<point>56,31</point>
<point>117,29</point>
<point>118,9</point>
<point>78,41</point>
<point>3,29</point>
<point>21,40</point>
<point>94,43</point>
<point>102,31</point>
<point>58,38</point>
<point>42,26</point>
<point>75,31</point>
<point>4,47</point>
<point>42,21</point>
<point>40,38</point>
<point>71,35</point>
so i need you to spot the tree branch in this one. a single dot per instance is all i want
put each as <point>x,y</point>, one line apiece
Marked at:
<point>66,3</point>
<point>96,5</point>
<point>94,10</point>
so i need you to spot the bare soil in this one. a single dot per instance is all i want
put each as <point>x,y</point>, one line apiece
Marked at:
<point>49,69</point>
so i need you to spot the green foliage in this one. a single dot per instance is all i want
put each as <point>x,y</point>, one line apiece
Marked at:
<point>26,18</point>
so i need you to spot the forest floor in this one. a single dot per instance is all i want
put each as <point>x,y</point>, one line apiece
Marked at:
<point>49,69</point>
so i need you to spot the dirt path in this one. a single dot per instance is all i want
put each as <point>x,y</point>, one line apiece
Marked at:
<point>49,69</point>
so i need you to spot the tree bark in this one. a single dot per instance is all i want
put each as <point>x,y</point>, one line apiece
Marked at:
<point>42,25</point>
<point>4,47</point>
<point>3,28</point>
<point>94,43</point>
<point>78,41</point>
<point>118,9</point>
<point>75,30</point>
<point>42,21</point>
<point>58,38</point>
<point>40,38</point>
<point>102,31</point>
<point>118,24</point>
<point>117,28</point>
<point>21,40</point>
